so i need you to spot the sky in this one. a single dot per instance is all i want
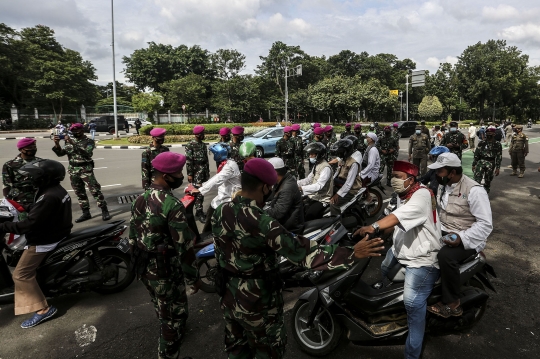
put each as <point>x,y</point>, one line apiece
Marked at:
<point>429,32</point>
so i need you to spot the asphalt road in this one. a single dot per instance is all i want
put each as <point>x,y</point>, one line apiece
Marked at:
<point>126,326</point>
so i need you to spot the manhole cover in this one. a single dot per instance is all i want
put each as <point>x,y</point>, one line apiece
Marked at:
<point>127,198</point>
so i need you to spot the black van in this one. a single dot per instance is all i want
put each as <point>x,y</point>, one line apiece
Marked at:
<point>106,124</point>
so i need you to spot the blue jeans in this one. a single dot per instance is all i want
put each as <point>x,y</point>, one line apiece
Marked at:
<point>93,133</point>
<point>418,285</point>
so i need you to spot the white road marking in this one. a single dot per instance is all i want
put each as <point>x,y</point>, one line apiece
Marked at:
<point>85,335</point>
<point>108,185</point>
<point>99,168</point>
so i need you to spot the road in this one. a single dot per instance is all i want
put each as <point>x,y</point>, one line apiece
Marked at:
<point>126,326</point>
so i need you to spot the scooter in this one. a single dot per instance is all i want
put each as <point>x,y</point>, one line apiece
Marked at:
<point>93,259</point>
<point>201,239</point>
<point>344,305</point>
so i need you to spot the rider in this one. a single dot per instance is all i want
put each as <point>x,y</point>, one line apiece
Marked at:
<point>430,176</point>
<point>247,151</point>
<point>346,180</point>
<point>227,180</point>
<point>52,204</point>
<point>318,185</point>
<point>371,162</point>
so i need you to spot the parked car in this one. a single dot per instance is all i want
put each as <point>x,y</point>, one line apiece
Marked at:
<point>406,128</point>
<point>131,121</point>
<point>265,140</point>
<point>106,124</point>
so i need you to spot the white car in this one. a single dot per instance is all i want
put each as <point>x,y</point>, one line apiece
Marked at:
<point>132,120</point>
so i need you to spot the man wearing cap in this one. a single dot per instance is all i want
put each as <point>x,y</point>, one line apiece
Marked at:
<point>162,250</point>
<point>519,149</point>
<point>318,136</point>
<point>79,151</point>
<point>371,162</point>
<point>286,151</point>
<point>465,212</point>
<point>416,232</point>
<point>312,134</point>
<point>509,131</point>
<point>361,138</point>
<point>419,147</point>
<point>225,134</point>
<point>424,128</point>
<point>248,244</point>
<point>236,142</point>
<point>330,136</point>
<point>16,186</point>
<point>388,148</point>
<point>286,204</point>
<point>198,168</point>
<point>487,159</point>
<point>454,140</point>
<point>347,131</point>
<point>472,135</point>
<point>148,155</point>
<point>298,151</point>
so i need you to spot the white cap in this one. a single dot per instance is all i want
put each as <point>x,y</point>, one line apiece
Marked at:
<point>447,159</point>
<point>277,163</point>
<point>372,136</point>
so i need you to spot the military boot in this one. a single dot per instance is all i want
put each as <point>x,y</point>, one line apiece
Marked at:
<point>85,216</point>
<point>201,216</point>
<point>514,173</point>
<point>521,173</point>
<point>105,213</point>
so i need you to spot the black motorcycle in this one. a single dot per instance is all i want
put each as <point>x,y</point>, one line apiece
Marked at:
<point>93,259</point>
<point>343,304</point>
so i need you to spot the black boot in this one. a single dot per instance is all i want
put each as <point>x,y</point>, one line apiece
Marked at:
<point>85,216</point>
<point>201,216</point>
<point>105,214</point>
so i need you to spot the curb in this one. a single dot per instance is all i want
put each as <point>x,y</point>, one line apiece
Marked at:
<point>19,138</point>
<point>132,147</point>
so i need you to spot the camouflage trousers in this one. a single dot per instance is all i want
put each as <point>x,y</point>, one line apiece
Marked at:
<point>471,142</point>
<point>484,170</point>
<point>518,160</point>
<point>170,302</point>
<point>300,168</point>
<point>84,176</point>
<point>201,175</point>
<point>421,162</point>
<point>388,162</point>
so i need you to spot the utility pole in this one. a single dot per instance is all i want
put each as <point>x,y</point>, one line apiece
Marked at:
<point>297,71</point>
<point>407,85</point>
<point>114,74</point>
<point>401,107</point>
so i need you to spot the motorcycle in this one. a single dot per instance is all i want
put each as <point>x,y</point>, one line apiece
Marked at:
<point>529,124</point>
<point>343,304</point>
<point>375,205</point>
<point>201,239</point>
<point>353,213</point>
<point>93,259</point>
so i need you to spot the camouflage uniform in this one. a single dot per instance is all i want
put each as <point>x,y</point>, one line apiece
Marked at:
<point>361,145</point>
<point>487,159</point>
<point>147,157</point>
<point>16,186</point>
<point>387,143</point>
<point>198,168</point>
<point>157,217</point>
<point>285,149</point>
<point>81,170</point>
<point>457,139</point>
<point>299,156</point>
<point>248,244</point>
<point>419,147</point>
<point>235,154</point>
<point>345,134</point>
<point>330,141</point>
<point>519,147</point>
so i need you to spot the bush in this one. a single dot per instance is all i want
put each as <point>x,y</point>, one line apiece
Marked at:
<point>146,140</point>
<point>183,129</point>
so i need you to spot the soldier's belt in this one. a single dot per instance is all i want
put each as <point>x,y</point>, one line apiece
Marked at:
<point>86,163</point>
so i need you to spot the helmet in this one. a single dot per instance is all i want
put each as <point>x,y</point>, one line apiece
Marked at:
<point>247,149</point>
<point>317,148</point>
<point>342,148</point>
<point>221,151</point>
<point>437,150</point>
<point>376,123</point>
<point>44,172</point>
<point>353,138</point>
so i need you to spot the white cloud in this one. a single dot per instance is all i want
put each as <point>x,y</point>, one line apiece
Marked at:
<point>434,62</point>
<point>500,13</point>
<point>527,33</point>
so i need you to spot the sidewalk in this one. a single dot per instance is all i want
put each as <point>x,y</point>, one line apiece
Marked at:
<point>19,134</point>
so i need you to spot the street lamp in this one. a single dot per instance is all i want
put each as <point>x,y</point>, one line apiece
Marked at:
<point>401,107</point>
<point>296,71</point>
<point>114,73</point>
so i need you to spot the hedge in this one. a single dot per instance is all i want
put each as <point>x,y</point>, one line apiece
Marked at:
<point>145,140</point>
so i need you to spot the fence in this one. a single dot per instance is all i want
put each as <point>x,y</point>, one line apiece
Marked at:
<point>178,117</point>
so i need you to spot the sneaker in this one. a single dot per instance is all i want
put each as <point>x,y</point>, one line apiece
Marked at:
<point>38,318</point>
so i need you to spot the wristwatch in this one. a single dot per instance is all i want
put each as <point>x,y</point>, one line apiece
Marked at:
<point>376,227</point>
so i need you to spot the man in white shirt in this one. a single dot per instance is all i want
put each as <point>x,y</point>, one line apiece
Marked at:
<point>416,236</point>
<point>346,180</point>
<point>371,162</point>
<point>472,135</point>
<point>465,212</point>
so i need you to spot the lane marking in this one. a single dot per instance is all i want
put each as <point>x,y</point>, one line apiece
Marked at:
<point>99,168</point>
<point>108,185</point>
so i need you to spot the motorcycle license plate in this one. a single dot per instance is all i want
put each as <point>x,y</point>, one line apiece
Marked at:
<point>123,245</point>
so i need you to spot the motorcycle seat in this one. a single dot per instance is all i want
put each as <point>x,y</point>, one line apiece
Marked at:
<point>89,232</point>
<point>374,183</point>
<point>311,226</point>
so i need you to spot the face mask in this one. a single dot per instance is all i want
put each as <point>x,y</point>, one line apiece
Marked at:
<point>29,153</point>
<point>226,138</point>
<point>312,160</point>
<point>366,142</point>
<point>453,129</point>
<point>201,137</point>
<point>175,183</point>
<point>387,133</point>
<point>399,185</point>
<point>266,196</point>
<point>357,133</point>
<point>418,132</point>
<point>78,134</point>
<point>442,180</point>
<point>490,138</point>
<point>159,141</point>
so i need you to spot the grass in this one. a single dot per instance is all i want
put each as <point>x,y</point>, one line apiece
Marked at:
<point>125,142</point>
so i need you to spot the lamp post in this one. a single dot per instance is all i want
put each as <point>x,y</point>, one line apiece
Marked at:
<point>297,71</point>
<point>114,73</point>
<point>401,107</point>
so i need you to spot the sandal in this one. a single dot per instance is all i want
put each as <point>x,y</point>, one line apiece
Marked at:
<point>445,311</point>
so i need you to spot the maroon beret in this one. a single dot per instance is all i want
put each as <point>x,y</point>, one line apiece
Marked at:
<point>358,125</point>
<point>295,127</point>
<point>262,169</point>
<point>347,125</point>
<point>287,129</point>
<point>75,126</point>
<point>197,130</point>
<point>169,162</point>
<point>157,132</point>
<point>328,128</point>
<point>23,142</point>
<point>237,130</point>
<point>316,124</point>
<point>224,131</point>
<point>318,131</point>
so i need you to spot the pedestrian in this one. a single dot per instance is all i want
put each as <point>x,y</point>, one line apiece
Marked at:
<point>509,131</point>
<point>487,159</point>
<point>481,134</point>
<point>162,247</point>
<point>148,155</point>
<point>198,167</point>
<point>424,127</point>
<point>138,125</point>
<point>454,140</point>
<point>419,147</point>
<point>92,127</point>
<point>298,151</point>
<point>437,136</point>
<point>347,131</point>
<point>360,136</point>
<point>126,125</point>
<point>388,148</point>
<point>519,149</point>
<point>472,135</point>
<point>286,151</point>
<point>248,244</point>
<point>16,186</point>
<point>235,143</point>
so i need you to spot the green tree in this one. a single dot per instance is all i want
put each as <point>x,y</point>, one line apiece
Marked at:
<point>122,90</point>
<point>147,102</point>
<point>430,107</point>
<point>189,91</point>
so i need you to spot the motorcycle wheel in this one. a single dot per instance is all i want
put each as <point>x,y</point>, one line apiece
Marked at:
<point>376,205</point>
<point>323,337</point>
<point>481,308</point>
<point>124,277</point>
<point>207,271</point>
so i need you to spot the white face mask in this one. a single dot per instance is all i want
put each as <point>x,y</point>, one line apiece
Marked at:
<point>312,160</point>
<point>453,129</point>
<point>418,132</point>
<point>399,185</point>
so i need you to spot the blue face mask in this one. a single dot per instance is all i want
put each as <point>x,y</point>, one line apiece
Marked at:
<point>312,160</point>
<point>453,129</point>
<point>418,132</point>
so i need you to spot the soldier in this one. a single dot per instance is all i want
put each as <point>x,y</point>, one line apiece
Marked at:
<point>198,168</point>
<point>247,244</point>
<point>286,151</point>
<point>312,134</point>
<point>424,127</point>
<point>238,137</point>
<point>17,187</point>
<point>419,147</point>
<point>487,158</point>
<point>519,149</point>
<point>298,151</point>
<point>347,131</point>
<point>148,155</point>
<point>361,143</point>
<point>318,136</point>
<point>388,148</point>
<point>376,129</point>
<point>454,140</point>
<point>330,136</point>
<point>395,132</point>
<point>81,170</point>
<point>225,134</point>
<point>162,247</point>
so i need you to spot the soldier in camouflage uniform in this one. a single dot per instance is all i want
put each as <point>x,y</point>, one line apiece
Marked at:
<point>318,136</point>
<point>248,244</point>
<point>162,247</point>
<point>376,128</point>
<point>419,147</point>
<point>16,186</point>
<point>347,131</point>
<point>395,132</point>
<point>148,155</point>
<point>286,151</point>
<point>454,140</point>
<point>298,151</point>
<point>79,150</point>
<point>329,136</point>
<point>360,136</point>
<point>236,142</point>
<point>198,167</point>
<point>311,136</point>
<point>388,149</point>
<point>487,159</point>
<point>518,149</point>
